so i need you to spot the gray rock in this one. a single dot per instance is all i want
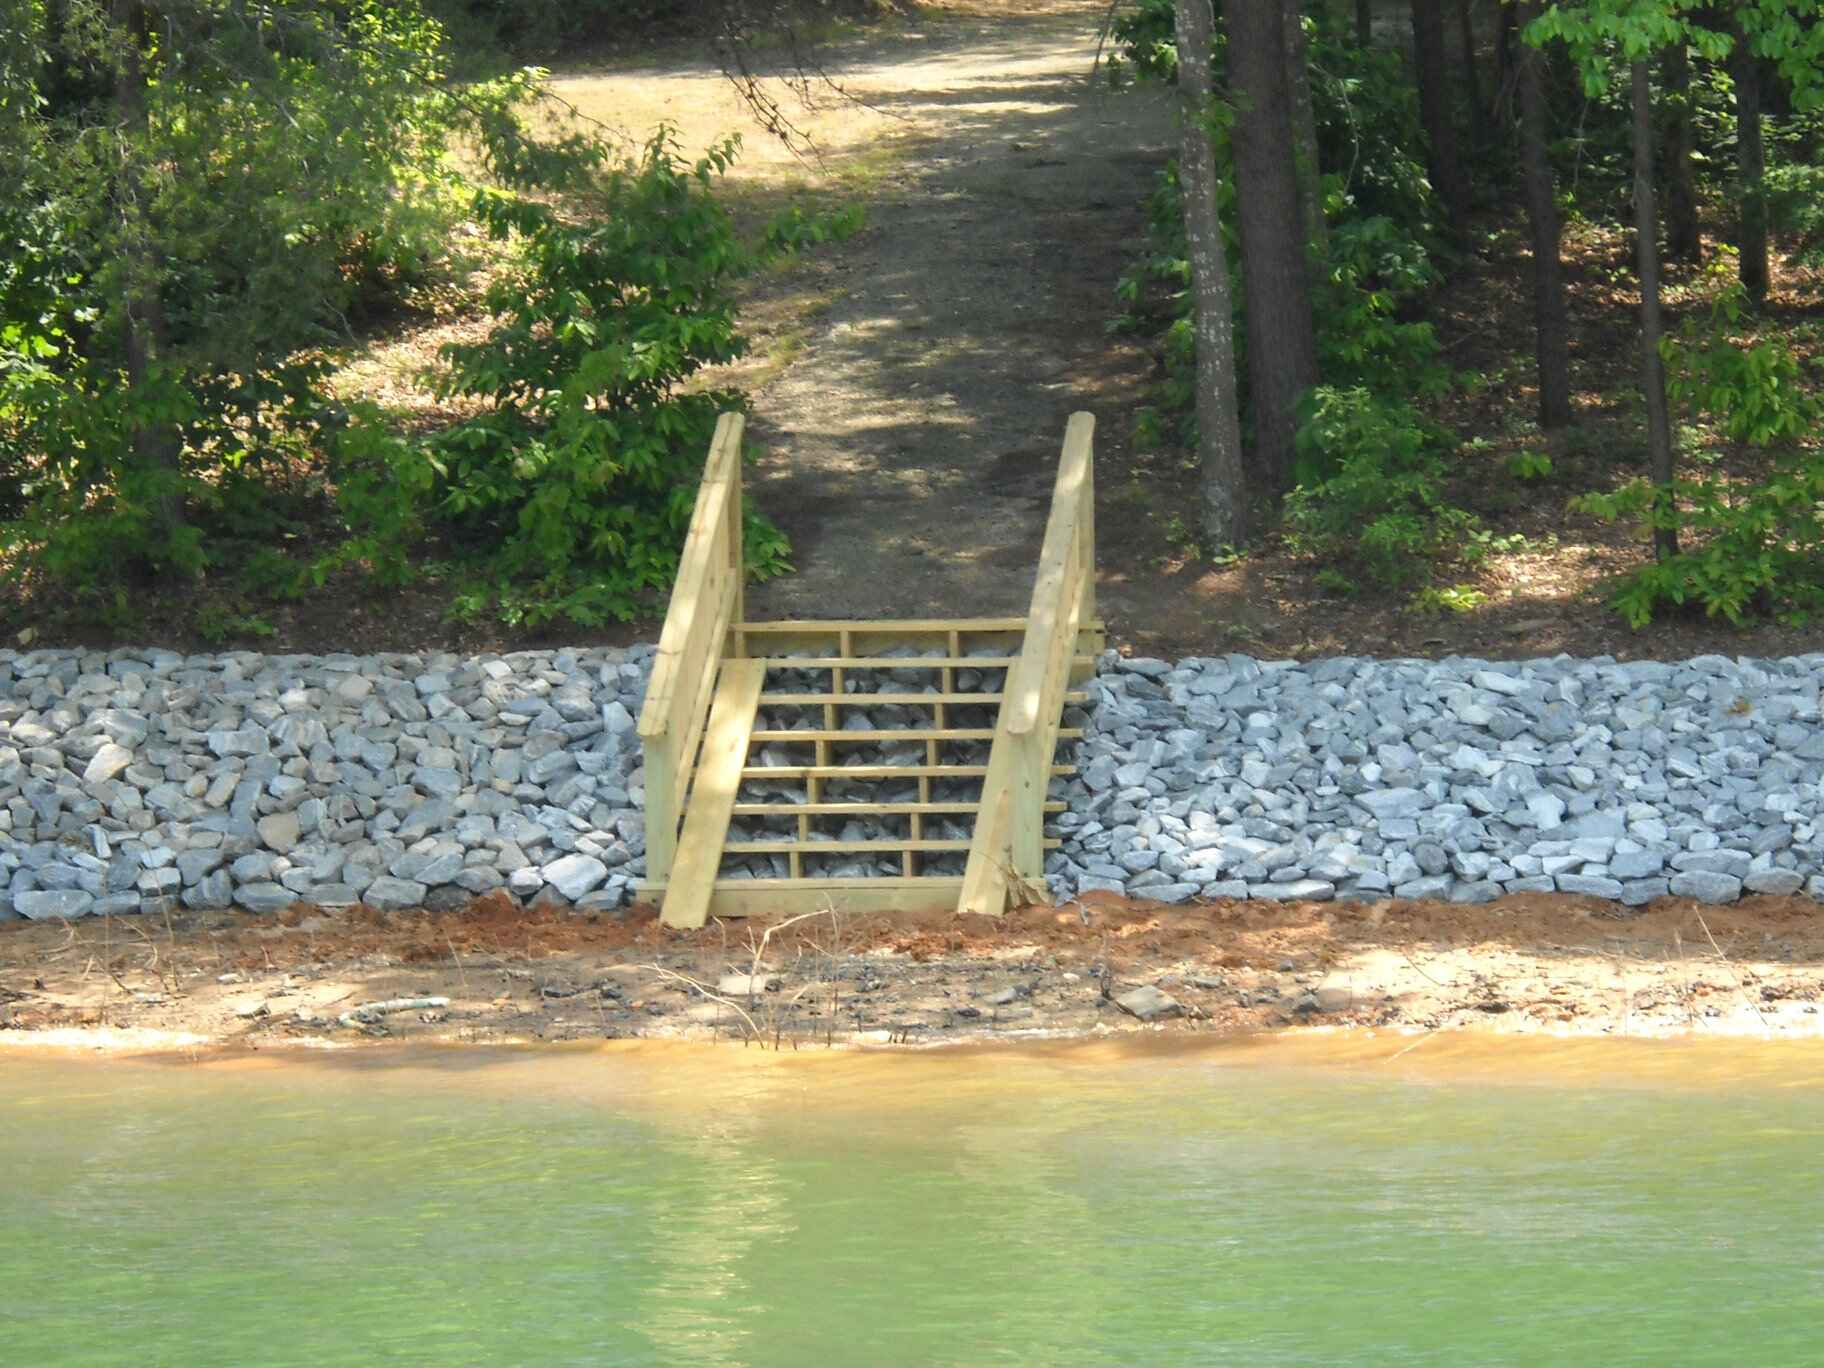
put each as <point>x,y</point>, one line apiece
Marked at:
<point>575,875</point>
<point>1590,886</point>
<point>1706,886</point>
<point>387,894</point>
<point>50,904</point>
<point>264,898</point>
<point>1393,802</point>
<point>1295,890</point>
<point>107,762</point>
<point>1775,881</point>
<point>1147,1003</point>
<point>212,893</point>
<point>279,832</point>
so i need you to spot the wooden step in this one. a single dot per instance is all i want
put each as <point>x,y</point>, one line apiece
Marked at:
<point>881,738</point>
<point>885,893</point>
<point>884,846</point>
<point>866,809</point>
<point>899,700</point>
<point>778,773</point>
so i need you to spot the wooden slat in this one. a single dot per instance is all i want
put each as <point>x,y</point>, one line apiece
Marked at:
<point>787,772</point>
<point>892,627</point>
<point>871,662</point>
<point>806,735</point>
<point>770,897</point>
<point>903,700</point>
<point>886,845</point>
<point>866,809</point>
<point>712,798</point>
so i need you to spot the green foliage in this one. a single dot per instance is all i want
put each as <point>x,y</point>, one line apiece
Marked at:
<point>1378,256</point>
<point>1746,548</point>
<point>571,493</point>
<point>1381,509</point>
<point>1437,600</point>
<point>1529,465</point>
<point>187,251</point>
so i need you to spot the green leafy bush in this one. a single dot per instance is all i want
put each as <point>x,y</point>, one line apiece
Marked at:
<point>1746,548</point>
<point>571,493</point>
<point>1382,509</point>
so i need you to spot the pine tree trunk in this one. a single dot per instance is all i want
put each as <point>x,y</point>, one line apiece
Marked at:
<point>155,445</point>
<point>1652,369</point>
<point>1223,477</point>
<point>1282,347</point>
<point>1304,124</point>
<point>1684,240</point>
<point>1472,82</point>
<point>1505,74</point>
<point>1431,62</point>
<point>1551,320</point>
<point>1364,22</point>
<point>1751,163</point>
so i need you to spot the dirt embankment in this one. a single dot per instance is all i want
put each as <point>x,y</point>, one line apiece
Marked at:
<point>496,973</point>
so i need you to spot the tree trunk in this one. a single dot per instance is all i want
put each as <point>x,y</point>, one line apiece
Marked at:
<point>1472,83</point>
<point>1364,22</point>
<point>1751,163</point>
<point>1282,348</point>
<point>1505,75</point>
<point>1652,370</point>
<point>1223,477</point>
<point>1304,124</point>
<point>154,444</point>
<point>1430,62</point>
<point>1684,240</point>
<point>1551,322</point>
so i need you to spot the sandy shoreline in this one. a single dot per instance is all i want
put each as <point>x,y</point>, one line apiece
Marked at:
<point>496,974</point>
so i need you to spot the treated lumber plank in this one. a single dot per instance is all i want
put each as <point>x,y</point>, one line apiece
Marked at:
<point>883,626</point>
<point>1008,843</point>
<point>725,742</point>
<point>700,587</point>
<point>875,738</point>
<point>767,897</point>
<point>814,662</point>
<point>885,846</point>
<point>865,809</point>
<point>910,700</point>
<point>787,772</point>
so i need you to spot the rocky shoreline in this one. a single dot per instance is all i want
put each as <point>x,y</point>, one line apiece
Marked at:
<point>148,782</point>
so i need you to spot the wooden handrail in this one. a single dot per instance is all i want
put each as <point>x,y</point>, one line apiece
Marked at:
<point>1057,590</point>
<point>1008,843</point>
<point>718,503</point>
<point>706,602</point>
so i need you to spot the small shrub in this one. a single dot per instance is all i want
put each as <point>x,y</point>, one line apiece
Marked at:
<point>1746,549</point>
<point>1381,507</point>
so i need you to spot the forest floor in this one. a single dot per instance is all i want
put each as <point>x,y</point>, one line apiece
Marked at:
<point>496,973</point>
<point>910,385</point>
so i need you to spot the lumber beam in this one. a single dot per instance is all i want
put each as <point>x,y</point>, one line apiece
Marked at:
<point>725,743</point>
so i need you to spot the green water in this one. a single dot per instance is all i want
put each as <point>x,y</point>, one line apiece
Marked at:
<point>1266,1205</point>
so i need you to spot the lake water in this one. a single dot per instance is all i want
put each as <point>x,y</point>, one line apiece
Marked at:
<point>1357,1200</point>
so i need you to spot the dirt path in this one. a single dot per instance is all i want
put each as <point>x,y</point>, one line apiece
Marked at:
<point>915,439</point>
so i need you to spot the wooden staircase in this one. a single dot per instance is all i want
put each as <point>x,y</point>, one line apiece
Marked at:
<point>760,793</point>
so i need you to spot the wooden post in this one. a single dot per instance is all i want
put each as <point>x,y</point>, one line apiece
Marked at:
<point>704,603</point>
